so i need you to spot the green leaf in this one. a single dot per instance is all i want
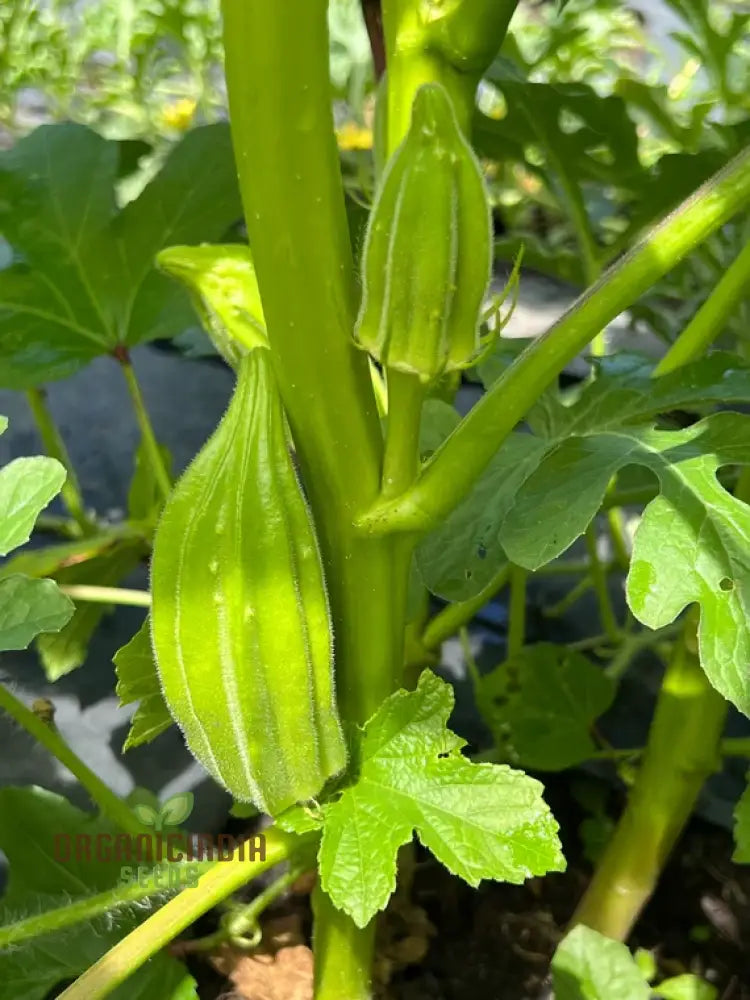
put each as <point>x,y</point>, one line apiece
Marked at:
<point>30,820</point>
<point>541,706</point>
<point>589,966</point>
<point>51,559</point>
<point>146,814</point>
<point>691,543</point>
<point>26,487</point>
<point>593,136</point>
<point>225,294</point>
<point>741,854</point>
<point>138,681</point>
<point>83,281</point>
<point>66,650</point>
<point>28,607</point>
<point>482,821</point>
<point>460,558</point>
<point>690,547</point>
<point>687,987</point>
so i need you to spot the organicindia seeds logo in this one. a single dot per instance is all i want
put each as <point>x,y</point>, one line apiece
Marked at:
<point>169,857</point>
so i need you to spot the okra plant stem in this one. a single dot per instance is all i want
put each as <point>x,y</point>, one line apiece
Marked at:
<point>451,472</point>
<point>682,751</point>
<point>55,448</point>
<point>109,803</point>
<point>711,318</point>
<point>147,431</point>
<point>343,953</point>
<point>447,622</point>
<point>281,116</point>
<point>405,398</point>
<point>223,878</point>
<point>599,579</point>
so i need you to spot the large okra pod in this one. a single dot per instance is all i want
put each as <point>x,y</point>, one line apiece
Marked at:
<point>428,253</point>
<point>240,623</point>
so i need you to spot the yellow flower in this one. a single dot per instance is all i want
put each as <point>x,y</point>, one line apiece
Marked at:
<point>352,136</point>
<point>179,114</point>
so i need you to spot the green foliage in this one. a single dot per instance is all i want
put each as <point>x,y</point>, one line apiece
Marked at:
<point>30,820</point>
<point>482,821</point>
<point>138,681</point>
<point>589,966</point>
<point>82,282</point>
<point>28,606</point>
<point>542,704</point>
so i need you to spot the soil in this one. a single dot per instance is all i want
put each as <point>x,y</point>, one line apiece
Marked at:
<point>446,941</point>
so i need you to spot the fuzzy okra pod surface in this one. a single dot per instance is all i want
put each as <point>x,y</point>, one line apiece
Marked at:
<point>240,622</point>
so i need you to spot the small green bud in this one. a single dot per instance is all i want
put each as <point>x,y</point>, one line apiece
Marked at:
<point>428,250</point>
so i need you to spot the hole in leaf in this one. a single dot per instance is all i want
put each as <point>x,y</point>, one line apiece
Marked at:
<point>726,584</point>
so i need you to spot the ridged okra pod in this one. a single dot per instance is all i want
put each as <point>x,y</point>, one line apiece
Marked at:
<point>240,621</point>
<point>428,252</point>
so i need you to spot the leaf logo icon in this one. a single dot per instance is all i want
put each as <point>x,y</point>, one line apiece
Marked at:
<point>173,812</point>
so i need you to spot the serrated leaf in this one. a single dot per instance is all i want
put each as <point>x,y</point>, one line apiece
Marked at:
<point>83,281</point>
<point>686,987</point>
<point>589,966</point>
<point>482,821</point>
<point>29,607</point>
<point>541,706</point>
<point>66,650</point>
<point>225,292</point>
<point>138,681</point>
<point>26,487</point>
<point>30,819</point>
<point>741,854</point>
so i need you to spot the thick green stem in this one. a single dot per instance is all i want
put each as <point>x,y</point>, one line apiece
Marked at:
<point>452,44</point>
<point>153,934</point>
<point>109,803</point>
<point>147,431</point>
<point>453,617</point>
<point>711,318</point>
<point>282,126</point>
<point>55,447</point>
<point>682,751</point>
<point>454,468</point>
<point>343,952</point>
<point>280,106</point>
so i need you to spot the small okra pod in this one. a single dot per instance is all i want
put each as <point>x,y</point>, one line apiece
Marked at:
<point>428,250</point>
<point>240,622</point>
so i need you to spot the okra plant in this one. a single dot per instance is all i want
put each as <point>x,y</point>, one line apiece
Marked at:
<point>287,632</point>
